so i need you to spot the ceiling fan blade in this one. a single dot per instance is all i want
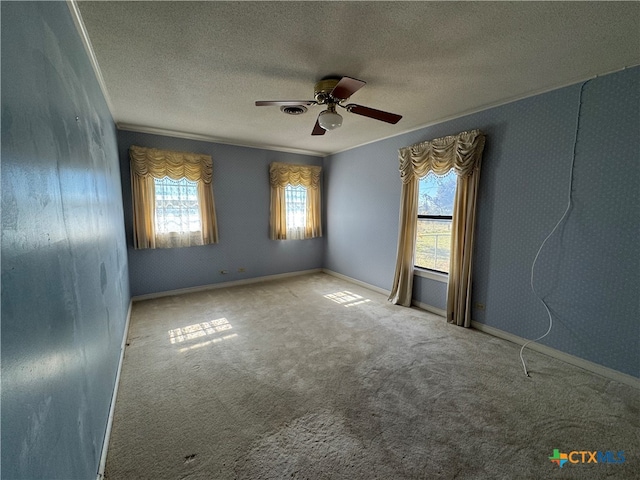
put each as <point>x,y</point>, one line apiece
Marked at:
<point>318,130</point>
<point>373,113</point>
<point>346,87</point>
<point>279,103</point>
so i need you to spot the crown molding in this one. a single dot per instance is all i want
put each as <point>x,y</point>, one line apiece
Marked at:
<point>86,41</point>
<point>84,36</point>
<point>212,139</point>
<point>488,106</point>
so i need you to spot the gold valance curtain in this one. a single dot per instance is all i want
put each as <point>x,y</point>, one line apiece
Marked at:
<point>150,163</point>
<point>165,163</point>
<point>283,174</point>
<point>463,154</point>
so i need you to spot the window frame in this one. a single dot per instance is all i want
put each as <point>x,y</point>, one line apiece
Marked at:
<point>291,190</point>
<point>426,271</point>
<point>431,217</point>
<point>192,185</point>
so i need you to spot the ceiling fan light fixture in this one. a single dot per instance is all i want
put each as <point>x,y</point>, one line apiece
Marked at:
<point>330,119</point>
<point>332,92</point>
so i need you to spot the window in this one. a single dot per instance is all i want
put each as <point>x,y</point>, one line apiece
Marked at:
<point>295,198</point>
<point>177,212</point>
<point>172,199</point>
<point>295,201</point>
<point>463,153</point>
<point>435,212</point>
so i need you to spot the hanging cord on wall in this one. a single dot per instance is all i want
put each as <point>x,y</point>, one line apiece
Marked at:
<point>564,215</point>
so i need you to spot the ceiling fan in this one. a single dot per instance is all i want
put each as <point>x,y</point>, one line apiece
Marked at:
<point>332,92</point>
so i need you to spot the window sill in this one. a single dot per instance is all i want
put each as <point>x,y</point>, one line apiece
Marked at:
<point>437,276</point>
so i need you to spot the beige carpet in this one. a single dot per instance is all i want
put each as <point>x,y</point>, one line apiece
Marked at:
<point>313,377</point>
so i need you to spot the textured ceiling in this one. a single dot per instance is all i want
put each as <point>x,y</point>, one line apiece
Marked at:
<point>196,68</point>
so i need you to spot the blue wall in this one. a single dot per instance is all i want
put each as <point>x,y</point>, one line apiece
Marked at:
<point>589,272</point>
<point>65,278</point>
<point>65,289</point>
<point>241,193</point>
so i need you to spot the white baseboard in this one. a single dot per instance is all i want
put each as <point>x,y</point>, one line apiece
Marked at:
<point>429,308</point>
<point>357,282</point>
<point>423,306</point>
<point>233,283</point>
<point>112,407</point>
<point>565,357</point>
<point>552,352</point>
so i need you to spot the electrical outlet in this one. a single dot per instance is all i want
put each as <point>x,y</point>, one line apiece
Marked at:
<point>241,269</point>
<point>224,272</point>
<point>479,306</point>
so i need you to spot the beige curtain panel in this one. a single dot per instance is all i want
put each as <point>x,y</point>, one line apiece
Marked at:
<point>150,163</point>
<point>463,154</point>
<point>283,174</point>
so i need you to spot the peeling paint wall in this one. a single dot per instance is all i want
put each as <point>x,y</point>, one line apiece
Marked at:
<point>65,288</point>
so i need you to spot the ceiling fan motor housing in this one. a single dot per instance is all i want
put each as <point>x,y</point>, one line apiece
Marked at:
<point>323,89</point>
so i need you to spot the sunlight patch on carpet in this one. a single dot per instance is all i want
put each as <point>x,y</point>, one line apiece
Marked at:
<point>347,298</point>
<point>200,330</point>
